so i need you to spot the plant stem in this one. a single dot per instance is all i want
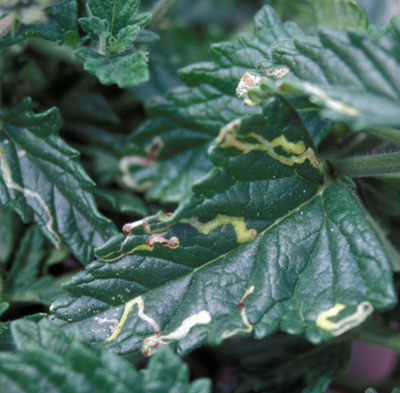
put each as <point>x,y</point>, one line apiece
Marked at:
<point>378,164</point>
<point>380,335</point>
<point>388,133</point>
<point>159,12</point>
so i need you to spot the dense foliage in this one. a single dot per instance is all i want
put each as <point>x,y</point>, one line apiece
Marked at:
<point>214,180</point>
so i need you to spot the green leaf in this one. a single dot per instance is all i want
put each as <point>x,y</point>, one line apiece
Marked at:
<point>114,26</point>
<point>157,380</point>
<point>48,360</point>
<point>9,226</point>
<point>42,180</point>
<point>177,46</point>
<point>352,77</point>
<point>182,125</point>
<point>3,307</point>
<point>126,69</point>
<point>25,282</point>
<point>280,363</point>
<point>90,121</point>
<point>263,244</point>
<point>119,13</point>
<point>121,201</point>
<point>58,22</point>
<point>7,342</point>
<point>333,14</point>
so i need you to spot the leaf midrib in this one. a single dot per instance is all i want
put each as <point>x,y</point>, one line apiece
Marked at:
<point>319,193</point>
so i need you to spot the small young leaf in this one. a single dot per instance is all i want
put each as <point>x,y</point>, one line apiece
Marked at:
<point>41,179</point>
<point>126,69</point>
<point>119,13</point>
<point>114,26</point>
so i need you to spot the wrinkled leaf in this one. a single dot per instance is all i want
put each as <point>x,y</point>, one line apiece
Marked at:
<point>263,244</point>
<point>126,69</point>
<point>352,77</point>
<point>42,180</point>
<point>47,360</point>
<point>113,27</point>
<point>182,125</point>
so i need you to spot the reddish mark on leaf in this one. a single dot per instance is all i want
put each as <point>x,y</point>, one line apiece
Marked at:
<point>126,229</point>
<point>153,150</point>
<point>170,243</point>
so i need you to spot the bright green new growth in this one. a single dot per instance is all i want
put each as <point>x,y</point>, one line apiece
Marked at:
<point>113,27</point>
<point>42,180</point>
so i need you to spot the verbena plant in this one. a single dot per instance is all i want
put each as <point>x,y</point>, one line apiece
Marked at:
<point>252,207</point>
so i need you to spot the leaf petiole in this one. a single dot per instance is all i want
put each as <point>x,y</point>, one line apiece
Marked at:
<point>371,165</point>
<point>387,133</point>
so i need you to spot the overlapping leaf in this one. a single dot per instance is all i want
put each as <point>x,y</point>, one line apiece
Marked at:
<point>334,14</point>
<point>262,244</point>
<point>55,23</point>
<point>114,26</point>
<point>280,363</point>
<point>7,342</point>
<point>42,180</point>
<point>121,201</point>
<point>8,233</point>
<point>25,281</point>
<point>182,125</point>
<point>48,361</point>
<point>353,77</point>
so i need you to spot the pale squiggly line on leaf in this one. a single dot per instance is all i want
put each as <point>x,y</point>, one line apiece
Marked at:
<point>10,183</point>
<point>229,137</point>
<point>364,309</point>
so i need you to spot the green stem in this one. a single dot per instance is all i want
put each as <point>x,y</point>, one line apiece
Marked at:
<point>388,133</point>
<point>378,164</point>
<point>380,335</point>
<point>160,11</point>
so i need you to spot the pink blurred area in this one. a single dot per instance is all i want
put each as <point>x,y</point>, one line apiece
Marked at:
<point>369,362</point>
